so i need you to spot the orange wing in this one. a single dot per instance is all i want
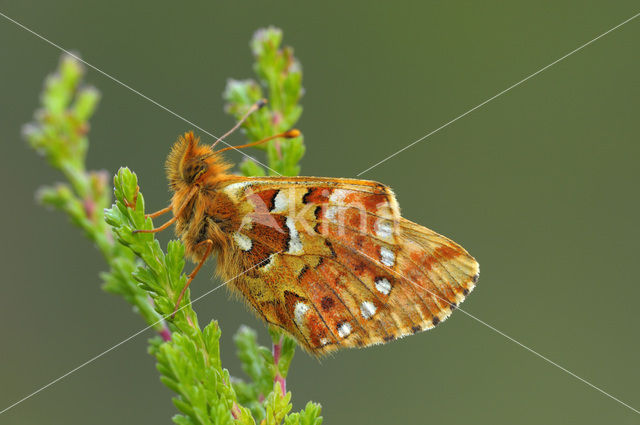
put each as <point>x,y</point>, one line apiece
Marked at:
<point>332,263</point>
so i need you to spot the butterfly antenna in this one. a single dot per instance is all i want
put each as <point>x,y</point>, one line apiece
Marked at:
<point>259,104</point>
<point>286,135</point>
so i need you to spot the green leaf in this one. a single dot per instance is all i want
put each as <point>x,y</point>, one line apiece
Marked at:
<point>277,406</point>
<point>286,355</point>
<point>250,168</point>
<point>253,360</point>
<point>310,415</point>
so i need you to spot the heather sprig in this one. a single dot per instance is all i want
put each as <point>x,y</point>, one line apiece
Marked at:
<point>150,279</point>
<point>280,81</point>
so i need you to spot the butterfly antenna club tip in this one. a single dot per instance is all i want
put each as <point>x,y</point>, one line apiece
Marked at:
<point>294,132</point>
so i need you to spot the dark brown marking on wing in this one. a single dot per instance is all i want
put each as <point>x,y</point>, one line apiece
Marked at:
<point>317,195</point>
<point>327,303</point>
<point>330,246</point>
<point>263,201</point>
<point>303,270</point>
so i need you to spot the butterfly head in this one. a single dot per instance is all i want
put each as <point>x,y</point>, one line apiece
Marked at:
<point>191,163</point>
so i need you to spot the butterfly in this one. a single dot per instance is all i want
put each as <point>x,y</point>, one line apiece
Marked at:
<point>329,261</point>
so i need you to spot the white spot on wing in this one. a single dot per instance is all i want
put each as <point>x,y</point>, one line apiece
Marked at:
<point>299,311</point>
<point>236,189</point>
<point>383,285</point>
<point>281,203</point>
<point>368,309</point>
<point>247,222</point>
<point>331,213</point>
<point>295,244</point>
<point>387,256</point>
<point>243,241</point>
<point>344,330</point>
<point>383,229</point>
<point>337,196</point>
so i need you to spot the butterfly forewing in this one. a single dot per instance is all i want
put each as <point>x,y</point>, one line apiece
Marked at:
<point>332,262</point>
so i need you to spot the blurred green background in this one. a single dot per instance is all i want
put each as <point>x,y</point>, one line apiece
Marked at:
<point>540,185</point>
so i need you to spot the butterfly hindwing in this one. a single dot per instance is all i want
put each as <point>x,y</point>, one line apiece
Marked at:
<point>331,262</point>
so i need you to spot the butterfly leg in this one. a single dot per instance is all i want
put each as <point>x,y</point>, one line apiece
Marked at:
<point>159,212</point>
<point>167,209</point>
<point>157,229</point>
<point>209,244</point>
